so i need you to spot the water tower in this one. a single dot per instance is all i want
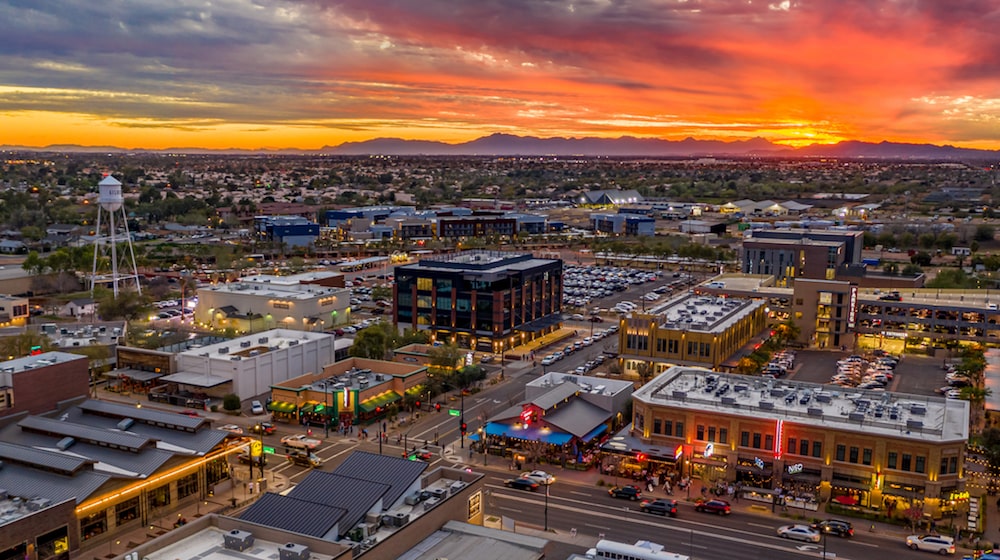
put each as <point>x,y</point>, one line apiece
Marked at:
<point>113,243</point>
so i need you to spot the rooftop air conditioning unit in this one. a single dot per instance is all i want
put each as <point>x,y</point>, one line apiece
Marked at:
<point>292,551</point>
<point>245,344</point>
<point>238,540</point>
<point>293,343</point>
<point>856,416</point>
<point>457,486</point>
<point>429,503</point>
<point>65,443</point>
<point>224,350</point>
<point>125,424</point>
<point>815,411</point>
<point>766,405</point>
<point>914,425</point>
<point>918,410</point>
<point>728,400</point>
<point>680,394</point>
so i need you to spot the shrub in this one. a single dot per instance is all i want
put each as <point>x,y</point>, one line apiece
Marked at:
<point>600,482</point>
<point>231,402</point>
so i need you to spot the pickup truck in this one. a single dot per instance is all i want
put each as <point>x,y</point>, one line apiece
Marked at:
<point>300,441</point>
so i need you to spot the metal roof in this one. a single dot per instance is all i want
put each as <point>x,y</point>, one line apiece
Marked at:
<point>291,514</point>
<point>557,395</point>
<point>144,414</point>
<point>178,441</point>
<point>577,417</point>
<point>356,495</point>
<point>122,440</point>
<point>112,461</point>
<point>48,460</point>
<point>26,482</point>
<point>398,472</point>
<point>196,379</point>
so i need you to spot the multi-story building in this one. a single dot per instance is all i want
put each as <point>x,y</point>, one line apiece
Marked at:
<point>689,330</point>
<point>293,231</point>
<point>485,300</point>
<point>34,384</point>
<point>825,311</point>
<point>849,446</point>
<point>13,311</point>
<point>791,254</point>
<point>257,303</point>
<point>623,224</point>
<point>454,227</point>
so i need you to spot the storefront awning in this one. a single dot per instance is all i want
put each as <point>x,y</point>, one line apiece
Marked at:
<point>595,432</point>
<point>196,379</point>
<point>541,324</point>
<point>307,408</point>
<point>388,397</point>
<point>276,406</point>
<point>530,434</point>
<point>134,374</point>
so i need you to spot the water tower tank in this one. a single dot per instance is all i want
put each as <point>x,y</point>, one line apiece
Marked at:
<point>110,194</point>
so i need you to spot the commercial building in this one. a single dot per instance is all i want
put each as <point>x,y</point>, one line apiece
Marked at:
<point>693,329</point>
<point>791,254</point>
<point>347,392</point>
<point>561,410</point>
<point>292,231</point>
<point>850,446</point>
<point>82,475</point>
<point>13,311</point>
<point>457,227</point>
<point>259,303</point>
<point>34,384</point>
<point>623,224</point>
<point>484,300</point>
<point>247,366</point>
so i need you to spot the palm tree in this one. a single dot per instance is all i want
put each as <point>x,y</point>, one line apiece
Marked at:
<point>977,397</point>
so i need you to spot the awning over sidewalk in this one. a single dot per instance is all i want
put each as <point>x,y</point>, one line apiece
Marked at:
<point>541,324</point>
<point>388,397</point>
<point>196,379</point>
<point>134,374</point>
<point>624,444</point>
<point>276,406</point>
<point>530,434</point>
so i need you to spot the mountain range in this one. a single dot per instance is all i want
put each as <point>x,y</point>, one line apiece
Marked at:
<point>625,146</point>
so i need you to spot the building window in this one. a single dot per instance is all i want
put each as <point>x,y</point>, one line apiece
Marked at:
<point>661,345</point>
<point>723,435</point>
<point>187,485</point>
<point>640,421</point>
<point>216,471</point>
<point>700,431</point>
<point>921,464</point>
<point>673,346</point>
<point>711,433</point>
<point>424,284</point>
<point>952,465</point>
<point>769,442</point>
<point>854,454</point>
<point>866,457</point>
<point>126,511</point>
<point>756,441</point>
<point>804,447</point>
<point>668,428</point>
<point>817,449</point>
<point>792,447</point>
<point>744,439</point>
<point>944,465</point>
<point>679,429</point>
<point>841,452</point>
<point>657,425</point>
<point>158,497</point>
<point>891,461</point>
<point>907,460</point>
<point>94,524</point>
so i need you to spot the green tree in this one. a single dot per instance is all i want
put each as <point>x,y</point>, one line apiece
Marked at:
<point>372,342</point>
<point>444,359</point>
<point>129,305</point>
<point>984,232</point>
<point>20,345</point>
<point>231,402</point>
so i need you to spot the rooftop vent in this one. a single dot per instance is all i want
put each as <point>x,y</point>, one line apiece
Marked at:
<point>125,424</point>
<point>238,540</point>
<point>292,551</point>
<point>65,443</point>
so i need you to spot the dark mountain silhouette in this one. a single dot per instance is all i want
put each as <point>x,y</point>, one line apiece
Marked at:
<point>625,146</point>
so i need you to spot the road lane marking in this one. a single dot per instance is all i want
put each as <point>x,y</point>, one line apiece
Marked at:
<point>580,493</point>
<point>597,526</point>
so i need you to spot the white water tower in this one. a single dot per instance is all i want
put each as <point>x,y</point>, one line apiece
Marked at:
<point>113,264</point>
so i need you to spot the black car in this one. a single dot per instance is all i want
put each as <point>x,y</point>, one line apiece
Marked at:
<point>834,527</point>
<point>661,507</point>
<point>629,492</point>
<point>522,484</point>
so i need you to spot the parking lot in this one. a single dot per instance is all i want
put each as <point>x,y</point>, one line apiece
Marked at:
<point>605,287</point>
<point>915,375</point>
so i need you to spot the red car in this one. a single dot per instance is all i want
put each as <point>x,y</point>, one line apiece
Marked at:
<point>720,507</point>
<point>191,413</point>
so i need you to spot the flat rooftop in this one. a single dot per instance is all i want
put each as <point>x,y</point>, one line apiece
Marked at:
<point>849,409</point>
<point>481,261</point>
<point>702,312</point>
<point>279,289</point>
<point>292,280</point>
<point>41,360</point>
<point>355,378</point>
<point>262,342</point>
<point>209,544</point>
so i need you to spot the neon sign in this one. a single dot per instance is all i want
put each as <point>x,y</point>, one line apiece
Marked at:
<point>852,311</point>
<point>779,434</point>
<point>678,452</point>
<point>709,450</point>
<point>758,462</point>
<point>795,469</point>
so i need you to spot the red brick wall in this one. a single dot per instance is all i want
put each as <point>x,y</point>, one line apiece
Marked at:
<point>38,390</point>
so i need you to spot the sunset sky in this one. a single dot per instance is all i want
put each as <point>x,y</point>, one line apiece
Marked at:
<point>282,74</point>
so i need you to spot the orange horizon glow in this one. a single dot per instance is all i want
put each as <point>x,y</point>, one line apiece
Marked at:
<point>283,74</point>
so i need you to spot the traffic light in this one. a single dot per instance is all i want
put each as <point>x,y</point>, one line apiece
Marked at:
<point>418,404</point>
<point>464,426</point>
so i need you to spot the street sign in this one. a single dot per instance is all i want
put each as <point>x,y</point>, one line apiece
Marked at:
<point>269,450</point>
<point>256,448</point>
<point>453,412</point>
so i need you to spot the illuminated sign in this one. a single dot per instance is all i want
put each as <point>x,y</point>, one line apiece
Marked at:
<point>758,462</point>
<point>795,469</point>
<point>468,359</point>
<point>779,434</point>
<point>256,448</point>
<point>852,311</point>
<point>709,450</point>
<point>678,452</point>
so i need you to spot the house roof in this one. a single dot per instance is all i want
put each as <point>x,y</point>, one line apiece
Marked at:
<point>558,394</point>
<point>398,472</point>
<point>291,514</point>
<point>577,417</point>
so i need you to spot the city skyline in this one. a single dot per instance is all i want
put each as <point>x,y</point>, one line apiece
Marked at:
<point>253,74</point>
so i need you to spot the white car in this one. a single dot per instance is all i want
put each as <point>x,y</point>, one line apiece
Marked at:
<point>541,477</point>
<point>548,360</point>
<point>232,428</point>
<point>931,543</point>
<point>256,407</point>
<point>799,532</point>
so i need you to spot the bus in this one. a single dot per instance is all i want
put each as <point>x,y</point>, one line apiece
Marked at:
<point>641,550</point>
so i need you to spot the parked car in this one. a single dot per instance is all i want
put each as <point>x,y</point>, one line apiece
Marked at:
<point>931,543</point>
<point>521,484</point>
<point>540,477</point>
<point>799,533</point>
<point>487,358</point>
<point>661,507</point>
<point>629,492</point>
<point>256,407</point>
<point>720,507</point>
<point>835,527</point>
